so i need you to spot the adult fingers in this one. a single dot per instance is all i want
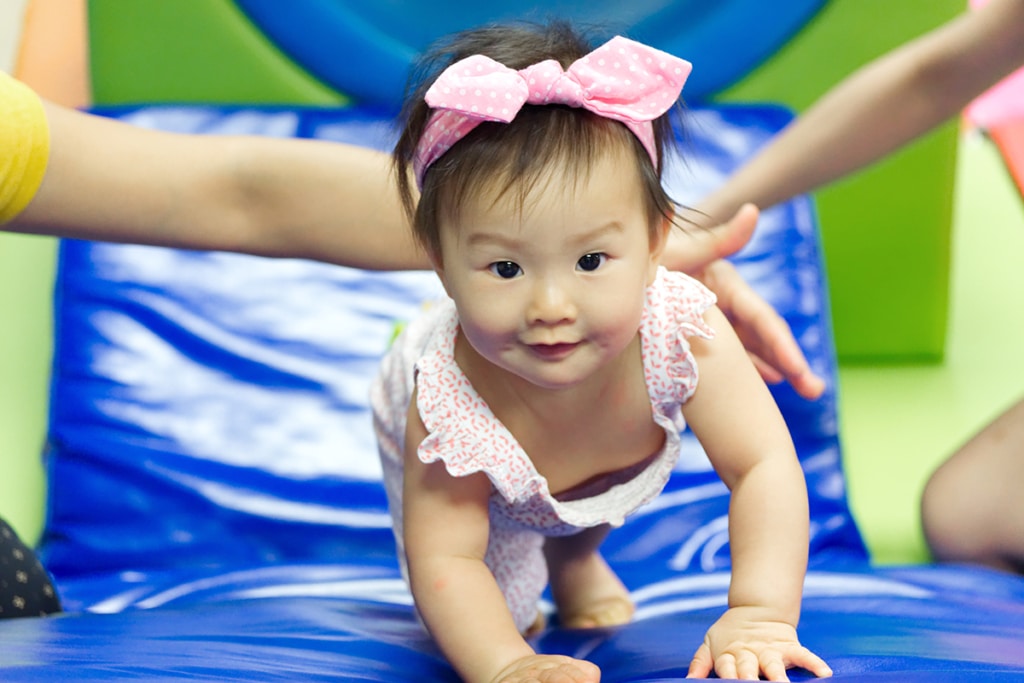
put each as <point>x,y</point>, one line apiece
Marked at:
<point>764,333</point>
<point>691,250</point>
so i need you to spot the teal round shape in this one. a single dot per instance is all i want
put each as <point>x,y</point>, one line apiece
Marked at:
<point>364,48</point>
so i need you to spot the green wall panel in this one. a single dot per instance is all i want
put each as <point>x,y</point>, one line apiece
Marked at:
<point>147,51</point>
<point>886,230</point>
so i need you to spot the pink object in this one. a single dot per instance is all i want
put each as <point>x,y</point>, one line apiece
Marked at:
<point>1003,102</point>
<point>622,80</point>
<point>1000,104</point>
<point>999,111</point>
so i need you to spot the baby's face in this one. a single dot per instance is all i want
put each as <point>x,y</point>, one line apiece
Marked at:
<point>554,291</point>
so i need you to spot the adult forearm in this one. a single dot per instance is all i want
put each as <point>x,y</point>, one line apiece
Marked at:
<point>327,201</point>
<point>857,123</point>
<point>881,107</point>
<point>109,181</point>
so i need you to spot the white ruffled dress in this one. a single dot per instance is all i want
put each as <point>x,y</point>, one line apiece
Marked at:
<point>468,438</point>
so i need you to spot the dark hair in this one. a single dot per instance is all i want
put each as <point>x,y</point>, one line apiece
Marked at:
<point>520,151</point>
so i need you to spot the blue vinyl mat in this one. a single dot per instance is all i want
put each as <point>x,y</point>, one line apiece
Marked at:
<point>215,509</point>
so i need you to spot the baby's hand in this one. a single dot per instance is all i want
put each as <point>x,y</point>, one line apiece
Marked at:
<point>549,669</point>
<point>739,645</point>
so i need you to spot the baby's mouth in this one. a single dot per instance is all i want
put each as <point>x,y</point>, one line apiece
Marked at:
<point>553,351</point>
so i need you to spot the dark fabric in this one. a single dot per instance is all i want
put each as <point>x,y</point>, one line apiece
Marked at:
<point>25,588</point>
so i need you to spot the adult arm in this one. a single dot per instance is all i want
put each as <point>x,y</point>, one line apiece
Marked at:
<point>111,181</point>
<point>879,108</point>
<point>764,333</point>
<point>882,106</point>
<point>328,201</point>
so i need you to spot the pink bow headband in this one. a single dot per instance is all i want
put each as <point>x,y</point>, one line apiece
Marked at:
<point>622,80</point>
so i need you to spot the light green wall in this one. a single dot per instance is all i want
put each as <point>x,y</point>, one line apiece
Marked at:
<point>900,422</point>
<point>26,279</point>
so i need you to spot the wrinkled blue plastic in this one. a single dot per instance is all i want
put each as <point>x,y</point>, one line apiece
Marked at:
<point>210,405</point>
<point>215,511</point>
<point>725,39</point>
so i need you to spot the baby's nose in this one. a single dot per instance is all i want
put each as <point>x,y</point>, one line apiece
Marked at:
<point>552,303</point>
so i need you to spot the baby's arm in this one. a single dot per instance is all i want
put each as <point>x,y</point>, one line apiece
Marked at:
<point>736,420</point>
<point>446,532</point>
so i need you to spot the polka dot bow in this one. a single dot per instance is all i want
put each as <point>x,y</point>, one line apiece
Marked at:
<point>622,80</point>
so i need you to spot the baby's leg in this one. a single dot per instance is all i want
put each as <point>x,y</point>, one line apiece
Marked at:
<point>587,592</point>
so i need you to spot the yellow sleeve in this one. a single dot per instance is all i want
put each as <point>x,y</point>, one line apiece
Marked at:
<point>25,140</point>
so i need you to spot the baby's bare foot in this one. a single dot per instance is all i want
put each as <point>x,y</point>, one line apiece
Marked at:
<point>538,625</point>
<point>588,594</point>
<point>611,611</point>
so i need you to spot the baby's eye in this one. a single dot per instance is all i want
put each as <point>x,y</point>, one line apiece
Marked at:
<point>589,262</point>
<point>506,270</point>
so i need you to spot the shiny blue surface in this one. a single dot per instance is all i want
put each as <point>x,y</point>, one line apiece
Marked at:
<point>215,511</point>
<point>725,39</point>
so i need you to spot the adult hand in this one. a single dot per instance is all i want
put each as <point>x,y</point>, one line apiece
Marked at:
<point>764,333</point>
<point>692,247</point>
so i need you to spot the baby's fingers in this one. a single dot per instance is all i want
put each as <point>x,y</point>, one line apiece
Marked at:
<point>700,665</point>
<point>746,665</point>
<point>774,663</point>
<point>798,655</point>
<point>743,665</point>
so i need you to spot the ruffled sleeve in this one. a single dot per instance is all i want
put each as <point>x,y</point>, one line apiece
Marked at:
<point>462,431</point>
<point>674,312</point>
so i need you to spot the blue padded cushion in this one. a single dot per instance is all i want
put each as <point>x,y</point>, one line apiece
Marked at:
<point>215,511</point>
<point>210,409</point>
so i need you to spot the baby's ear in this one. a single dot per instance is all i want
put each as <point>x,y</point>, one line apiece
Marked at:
<point>659,238</point>
<point>437,263</point>
<point>434,255</point>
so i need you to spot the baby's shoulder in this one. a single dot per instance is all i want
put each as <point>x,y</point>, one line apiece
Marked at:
<point>675,290</point>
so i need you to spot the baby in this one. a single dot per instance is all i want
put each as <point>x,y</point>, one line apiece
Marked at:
<point>529,413</point>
